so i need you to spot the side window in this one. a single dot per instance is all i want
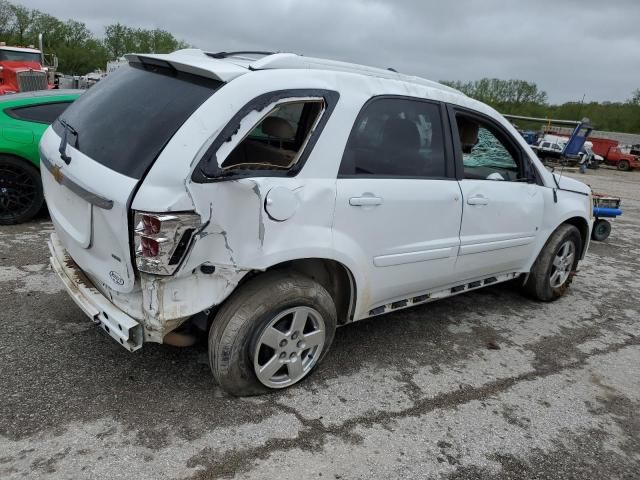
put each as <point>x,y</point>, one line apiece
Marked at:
<point>486,152</point>
<point>277,141</point>
<point>396,137</point>
<point>546,145</point>
<point>43,113</point>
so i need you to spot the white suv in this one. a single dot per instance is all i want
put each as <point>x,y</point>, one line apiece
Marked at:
<point>269,198</point>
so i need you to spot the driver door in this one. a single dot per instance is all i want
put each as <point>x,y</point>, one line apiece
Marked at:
<point>502,203</point>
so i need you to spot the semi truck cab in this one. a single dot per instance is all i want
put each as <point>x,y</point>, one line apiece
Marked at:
<point>22,70</point>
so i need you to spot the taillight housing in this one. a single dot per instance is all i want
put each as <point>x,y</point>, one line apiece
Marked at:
<point>162,240</point>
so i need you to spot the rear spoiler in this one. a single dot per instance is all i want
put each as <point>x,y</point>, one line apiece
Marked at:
<point>191,61</point>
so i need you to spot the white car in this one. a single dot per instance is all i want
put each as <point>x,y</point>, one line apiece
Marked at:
<point>270,198</point>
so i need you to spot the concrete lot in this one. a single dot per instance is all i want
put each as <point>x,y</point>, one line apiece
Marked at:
<point>416,394</point>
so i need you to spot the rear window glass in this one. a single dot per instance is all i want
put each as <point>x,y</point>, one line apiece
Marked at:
<point>43,113</point>
<point>125,120</point>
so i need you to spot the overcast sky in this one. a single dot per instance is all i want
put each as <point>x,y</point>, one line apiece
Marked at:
<point>568,47</point>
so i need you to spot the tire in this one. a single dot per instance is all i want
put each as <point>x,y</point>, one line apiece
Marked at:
<point>624,165</point>
<point>21,196</point>
<point>542,284</point>
<point>263,312</point>
<point>601,230</point>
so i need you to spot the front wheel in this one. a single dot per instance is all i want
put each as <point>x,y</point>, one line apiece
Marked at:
<point>552,271</point>
<point>271,333</point>
<point>21,196</point>
<point>624,165</point>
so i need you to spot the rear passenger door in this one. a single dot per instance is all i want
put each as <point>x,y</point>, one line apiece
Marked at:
<point>398,205</point>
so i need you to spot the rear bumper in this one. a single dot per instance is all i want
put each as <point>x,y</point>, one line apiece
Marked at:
<point>127,331</point>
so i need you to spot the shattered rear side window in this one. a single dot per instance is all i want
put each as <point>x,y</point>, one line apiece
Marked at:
<point>279,138</point>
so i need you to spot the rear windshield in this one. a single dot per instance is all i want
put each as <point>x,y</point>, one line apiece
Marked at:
<point>126,119</point>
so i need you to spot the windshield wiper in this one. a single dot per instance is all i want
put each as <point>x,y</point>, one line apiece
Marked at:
<point>63,141</point>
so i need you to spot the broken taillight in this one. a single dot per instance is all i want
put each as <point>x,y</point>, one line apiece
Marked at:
<point>161,240</point>
<point>150,247</point>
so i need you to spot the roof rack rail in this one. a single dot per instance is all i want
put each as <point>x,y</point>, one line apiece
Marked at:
<point>220,55</point>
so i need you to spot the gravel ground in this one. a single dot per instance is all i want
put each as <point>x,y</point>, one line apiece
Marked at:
<point>483,385</point>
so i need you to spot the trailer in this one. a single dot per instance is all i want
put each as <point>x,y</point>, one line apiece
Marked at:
<point>604,207</point>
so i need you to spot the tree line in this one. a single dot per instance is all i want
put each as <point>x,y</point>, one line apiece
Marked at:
<point>519,97</point>
<point>78,50</point>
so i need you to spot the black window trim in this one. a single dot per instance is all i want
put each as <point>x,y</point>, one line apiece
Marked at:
<point>10,111</point>
<point>450,167</point>
<point>527,169</point>
<point>208,170</point>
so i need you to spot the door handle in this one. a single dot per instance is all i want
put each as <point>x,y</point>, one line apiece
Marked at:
<point>478,200</point>
<point>365,201</point>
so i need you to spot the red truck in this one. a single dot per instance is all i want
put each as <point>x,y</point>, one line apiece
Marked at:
<point>610,151</point>
<point>22,70</point>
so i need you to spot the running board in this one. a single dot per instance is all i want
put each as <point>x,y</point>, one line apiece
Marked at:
<point>439,294</point>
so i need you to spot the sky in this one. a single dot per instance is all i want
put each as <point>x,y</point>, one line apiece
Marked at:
<point>570,48</point>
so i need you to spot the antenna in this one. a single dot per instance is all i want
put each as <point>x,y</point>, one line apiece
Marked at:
<point>562,165</point>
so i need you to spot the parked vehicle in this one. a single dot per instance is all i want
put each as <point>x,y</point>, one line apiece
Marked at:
<point>622,161</point>
<point>549,149</point>
<point>24,69</point>
<point>613,155</point>
<point>23,119</point>
<point>269,198</point>
<point>530,136</point>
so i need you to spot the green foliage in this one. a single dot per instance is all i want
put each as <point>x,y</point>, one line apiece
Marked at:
<point>495,91</point>
<point>120,39</point>
<point>518,97</point>
<point>78,51</point>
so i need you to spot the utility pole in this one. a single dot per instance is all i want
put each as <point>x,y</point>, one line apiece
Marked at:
<point>581,104</point>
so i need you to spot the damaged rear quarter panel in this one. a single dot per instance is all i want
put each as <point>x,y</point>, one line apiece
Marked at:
<point>240,234</point>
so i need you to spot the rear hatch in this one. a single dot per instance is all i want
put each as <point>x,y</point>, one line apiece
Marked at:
<point>95,156</point>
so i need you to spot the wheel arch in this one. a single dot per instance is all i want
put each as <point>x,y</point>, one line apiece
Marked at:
<point>583,227</point>
<point>10,154</point>
<point>333,275</point>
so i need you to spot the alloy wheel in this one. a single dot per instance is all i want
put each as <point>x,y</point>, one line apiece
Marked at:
<point>562,264</point>
<point>18,191</point>
<point>289,347</point>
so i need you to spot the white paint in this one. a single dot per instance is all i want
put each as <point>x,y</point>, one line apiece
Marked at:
<point>407,236</point>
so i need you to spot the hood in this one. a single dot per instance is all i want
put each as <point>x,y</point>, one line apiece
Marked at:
<point>18,66</point>
<point>567,183</point>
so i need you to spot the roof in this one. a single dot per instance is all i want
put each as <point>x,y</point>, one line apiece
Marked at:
<point>225,66</point>
<point>19,49</point>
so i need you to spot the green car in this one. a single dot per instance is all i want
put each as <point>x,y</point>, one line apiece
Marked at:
<point>23,119</point>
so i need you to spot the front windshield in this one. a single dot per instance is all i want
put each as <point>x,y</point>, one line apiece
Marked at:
<point>17,56</point>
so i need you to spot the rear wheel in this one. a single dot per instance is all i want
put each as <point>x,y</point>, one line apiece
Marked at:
<point>552,271</point>
<point>601,230</point>
<point>271,333</point>
<point>21,196</point>
<point>624,165</point>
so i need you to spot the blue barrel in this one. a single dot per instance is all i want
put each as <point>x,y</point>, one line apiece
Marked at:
<point>606,212</point>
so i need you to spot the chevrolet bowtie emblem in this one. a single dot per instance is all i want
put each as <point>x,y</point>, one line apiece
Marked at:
<point>56,171</point>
